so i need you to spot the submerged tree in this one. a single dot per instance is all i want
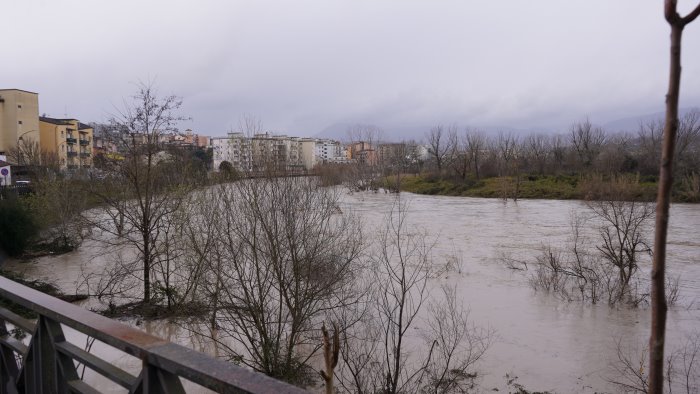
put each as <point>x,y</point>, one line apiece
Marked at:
<point>588,268</point>
<point>379,352</point>
<point>281,259</point>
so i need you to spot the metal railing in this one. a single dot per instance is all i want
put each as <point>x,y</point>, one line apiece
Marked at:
<point>48,363</point>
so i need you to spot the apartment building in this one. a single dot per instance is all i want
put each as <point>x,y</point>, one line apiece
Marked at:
<point>272,152</point>
<point>19,118</point>
<point>362,152</point>
<point>188,140</point>
<point>307,150</point>
<point>68,140</point>
<point>236,149</point>
<point>330,151</point>
<point>264,152</point>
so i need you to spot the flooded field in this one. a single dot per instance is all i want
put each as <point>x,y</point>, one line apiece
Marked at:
<point>550,344</point>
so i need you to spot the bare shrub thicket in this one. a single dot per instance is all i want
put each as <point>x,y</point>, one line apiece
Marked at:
<point>59,202</point>
<point>281,259</point>
<point>603,267</point>
<point>441,146</point>
<point>381,351</point>
<point>629,373</point>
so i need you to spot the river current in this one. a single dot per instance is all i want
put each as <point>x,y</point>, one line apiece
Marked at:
<point>548,343</point>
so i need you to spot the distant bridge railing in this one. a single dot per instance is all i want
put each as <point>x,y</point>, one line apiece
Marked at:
<point>48,363</point>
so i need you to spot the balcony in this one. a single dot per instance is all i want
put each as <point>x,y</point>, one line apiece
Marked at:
<point>47,363</point>
<point>84,142</point>
<point>71,140</point>
<point>71,154</point>
<point>84,154</point>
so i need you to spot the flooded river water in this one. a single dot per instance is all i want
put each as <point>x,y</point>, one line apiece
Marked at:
<point>550,344</point>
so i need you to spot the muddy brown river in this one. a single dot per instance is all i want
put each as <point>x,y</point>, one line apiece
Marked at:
<point>548,343</point>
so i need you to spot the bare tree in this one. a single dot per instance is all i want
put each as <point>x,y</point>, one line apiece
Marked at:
<point>153,185</point>
<point>559,151</point>
<point>379,353</point>
<point>250,125</point>
<point>281,261</point>
<point>27,152</point>
<point>687,140</point>
<point>629,373</point>
<point>587,140</point>
<point>508,156</point>
<point>622,235</point>
<point>650,135</point>
<point>459,345</point>
<point>587,269</point>
<point>460,157</point>
<point>439,145</point>
<point>658,296</point>
<point>363,149</point>
<point>615,155</point>
<point>403,261</point>
<point>538,150</point>
<point>476,143</point>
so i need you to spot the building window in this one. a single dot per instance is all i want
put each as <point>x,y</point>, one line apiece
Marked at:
<point>20,122</point>
<point>19,106</point>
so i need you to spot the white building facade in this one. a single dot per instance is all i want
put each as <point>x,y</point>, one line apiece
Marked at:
<point>264,152</point>
<point>329,151</point>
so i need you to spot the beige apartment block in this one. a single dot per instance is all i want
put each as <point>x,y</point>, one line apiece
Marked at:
<point>68,140</point>
<point>19,118</point>
<point>308,153</point>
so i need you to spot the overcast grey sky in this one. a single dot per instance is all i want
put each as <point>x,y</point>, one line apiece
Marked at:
<point>304,66</point>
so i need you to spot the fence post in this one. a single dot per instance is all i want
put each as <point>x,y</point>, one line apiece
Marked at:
<point>8,365</point>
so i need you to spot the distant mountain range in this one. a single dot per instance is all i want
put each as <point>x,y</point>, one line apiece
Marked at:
<point>339,131</point>
<point>632,124</point>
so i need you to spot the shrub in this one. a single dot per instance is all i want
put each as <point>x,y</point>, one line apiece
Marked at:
<point>17,226</point>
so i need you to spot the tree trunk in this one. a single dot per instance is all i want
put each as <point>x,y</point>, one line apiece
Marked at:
<point>146,271</point>
<point>658,296</point>
<point>330,355</point>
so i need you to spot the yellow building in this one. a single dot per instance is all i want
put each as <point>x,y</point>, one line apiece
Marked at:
<point>19,118</point>
<point>68,140</point>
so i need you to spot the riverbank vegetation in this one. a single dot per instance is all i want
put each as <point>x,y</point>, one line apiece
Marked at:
<point>511,166</point>
<point>558,187</point>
